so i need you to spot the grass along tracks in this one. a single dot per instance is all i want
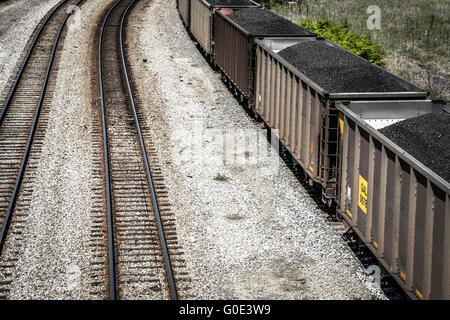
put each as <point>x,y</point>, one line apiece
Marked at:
<point>415,35</point>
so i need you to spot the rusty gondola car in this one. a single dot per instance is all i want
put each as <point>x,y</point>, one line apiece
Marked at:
<point>303,109</point>
<point>235,49</point>
<point>399,207</point>
<point>201,19</point>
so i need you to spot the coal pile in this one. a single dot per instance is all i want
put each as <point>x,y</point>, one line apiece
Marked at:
<point>257,21</point>
<point>229,3</point>
<point>426,138</point>
<point>337,70</point>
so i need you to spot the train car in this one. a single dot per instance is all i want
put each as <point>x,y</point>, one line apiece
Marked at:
<point>234,49</point>
<point>329,109</point>
<point>398,206</point>
<point>201,23</point>
<point>184,8</point>
<point>296,90</point>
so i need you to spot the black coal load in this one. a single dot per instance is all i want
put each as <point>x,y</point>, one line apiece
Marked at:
<point>229,3</point>
<point>337,70</point>
<point>426,138</point>
<point>261,22</point>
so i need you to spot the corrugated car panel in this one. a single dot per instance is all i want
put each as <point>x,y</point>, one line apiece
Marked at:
<point>295,110</point>
<point>392,238</point>
<point>287,103</point>
<point>231,53</point>
<point>310,139</point>
<point>348,184</point>
<point>296,122</point>
<point>288,109</point>
<point>306,115</point>
<point>376,196</point>
<point>362,180</point>
<point>390,196</point>
<point>403,218</point>
<point>260,67</point>
<point>438,266</point>
<point>201,16</point>
<point>344,141</point>
<point>273,84</point>
<point>314,135</point>
<point>379,199</point>
<point>284,105</point>
<point>407,209</point>
<point>419,243</point>
<point>409,230</point>
<point>184,9</point>
<point>266,85</point>
<point>429,230</point>
<point>276,105</point>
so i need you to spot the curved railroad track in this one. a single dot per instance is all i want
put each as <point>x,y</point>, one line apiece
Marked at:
<point>141,238</point>
<point>22,128</point>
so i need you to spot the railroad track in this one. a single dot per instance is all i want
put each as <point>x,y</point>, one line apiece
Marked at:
<point>23,121</point>
<point>141,241</point>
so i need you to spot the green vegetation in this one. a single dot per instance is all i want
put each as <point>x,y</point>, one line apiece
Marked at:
<point>235,216</point>
<point>342,35</point>
<point>220,177</point>
<point>269,4</point>
<point>414,34</point>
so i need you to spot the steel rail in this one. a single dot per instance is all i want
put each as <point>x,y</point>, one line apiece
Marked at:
<point>168,265</point>
<point>12,203</point>
<point>111,260</point>
<point>25,62</point>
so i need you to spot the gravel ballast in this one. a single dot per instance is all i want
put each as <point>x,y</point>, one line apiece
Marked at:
<point>229,3</point>
<point>56,257</point>
<point>18,19</point>
<point>426,138</point>
<point>258,21</point>
<point>337,70</point>
<point>248,230</point>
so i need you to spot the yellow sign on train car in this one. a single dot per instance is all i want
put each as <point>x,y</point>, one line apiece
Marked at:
<point>341,122</point>
<point>362,194</point>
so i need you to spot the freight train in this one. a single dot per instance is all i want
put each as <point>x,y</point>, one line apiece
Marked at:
<point>351,125</point>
